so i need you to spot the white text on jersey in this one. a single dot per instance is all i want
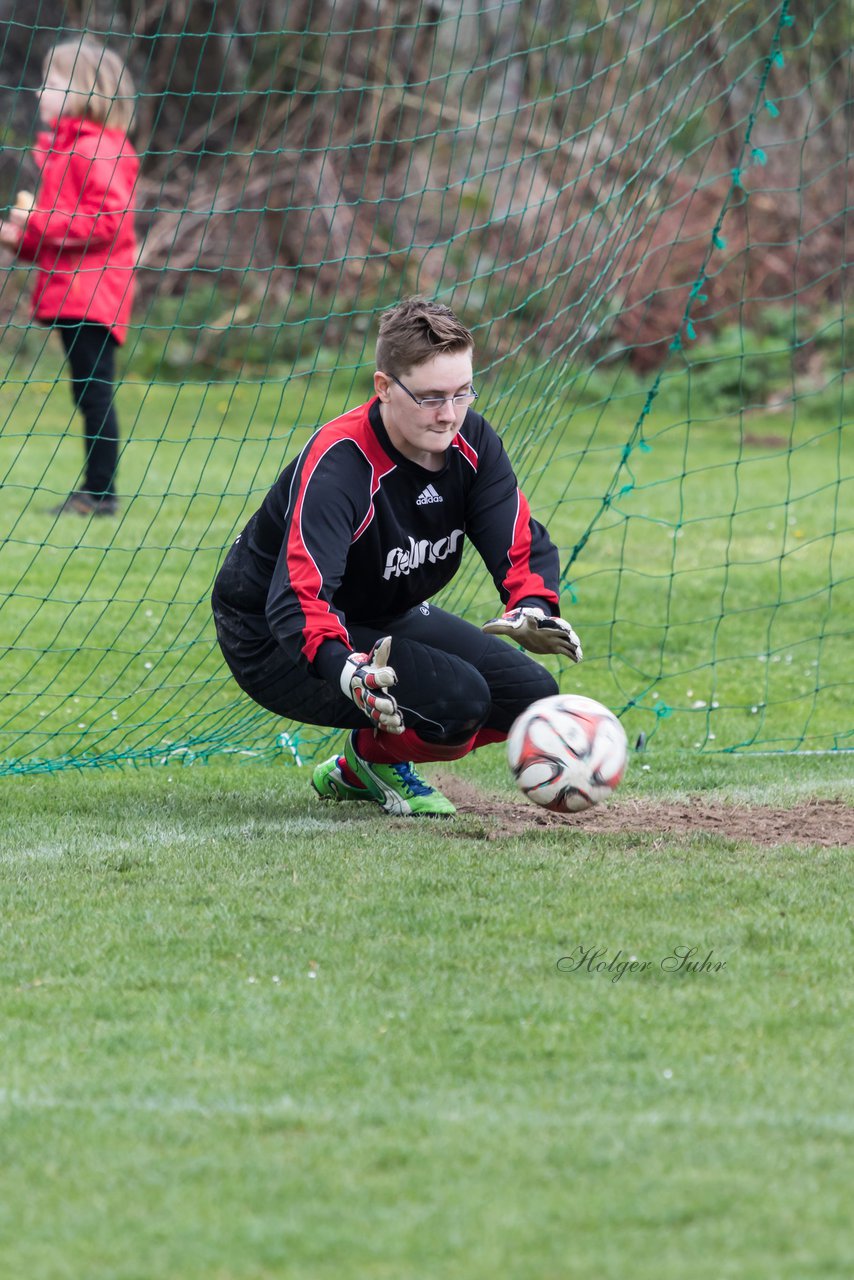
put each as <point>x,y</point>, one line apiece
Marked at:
<point>400,560</point>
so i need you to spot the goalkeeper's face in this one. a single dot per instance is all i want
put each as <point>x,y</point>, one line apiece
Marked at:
<point>423,431</point>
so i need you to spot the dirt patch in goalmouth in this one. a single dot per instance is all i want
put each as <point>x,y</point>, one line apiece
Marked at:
<point>816,822</point>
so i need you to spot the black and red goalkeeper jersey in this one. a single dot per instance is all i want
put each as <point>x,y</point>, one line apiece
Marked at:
<point>354,532</point>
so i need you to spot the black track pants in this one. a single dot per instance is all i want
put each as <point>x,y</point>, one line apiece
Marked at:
<point>451,678</point>
<point>91,355</point>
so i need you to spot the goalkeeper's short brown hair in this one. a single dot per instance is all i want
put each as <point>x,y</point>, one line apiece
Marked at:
<point>416,330</point>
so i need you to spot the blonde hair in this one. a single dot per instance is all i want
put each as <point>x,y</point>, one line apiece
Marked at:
<point>99,85</point>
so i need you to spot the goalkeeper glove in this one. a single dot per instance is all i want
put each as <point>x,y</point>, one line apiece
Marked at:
<point>536,632</point>
<point>362,676</point>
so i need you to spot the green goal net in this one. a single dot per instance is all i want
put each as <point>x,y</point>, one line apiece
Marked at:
<point>641,209</point>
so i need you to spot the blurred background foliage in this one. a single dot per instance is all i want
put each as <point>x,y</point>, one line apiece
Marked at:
<point>548,169</point>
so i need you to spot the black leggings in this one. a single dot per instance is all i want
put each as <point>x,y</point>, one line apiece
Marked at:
<point>451,678</point>
<point>90,349</point>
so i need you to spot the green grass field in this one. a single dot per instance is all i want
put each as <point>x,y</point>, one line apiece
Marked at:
<point>250,1037</point>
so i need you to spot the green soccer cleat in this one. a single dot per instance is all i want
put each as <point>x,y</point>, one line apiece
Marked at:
<point>330,783</point>
<point>397,788</point>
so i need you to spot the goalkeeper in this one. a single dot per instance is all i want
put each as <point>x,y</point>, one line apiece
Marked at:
<point>322,605</point>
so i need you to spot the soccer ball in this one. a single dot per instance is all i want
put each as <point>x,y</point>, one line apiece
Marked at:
<point>567,752</point>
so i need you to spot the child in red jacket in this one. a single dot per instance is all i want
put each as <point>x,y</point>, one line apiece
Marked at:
<point>78,232</point>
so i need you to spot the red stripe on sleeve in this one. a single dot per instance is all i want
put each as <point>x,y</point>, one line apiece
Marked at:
<point>470,454</point>
<point>380,465</point>
<point>306,579</point>
<point>321,621</point>
<point>520,580</point>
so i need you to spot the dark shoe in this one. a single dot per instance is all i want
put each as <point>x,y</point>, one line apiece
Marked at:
<point>80,503</point>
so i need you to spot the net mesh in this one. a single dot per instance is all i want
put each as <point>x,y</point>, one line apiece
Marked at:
<point>642,212</point>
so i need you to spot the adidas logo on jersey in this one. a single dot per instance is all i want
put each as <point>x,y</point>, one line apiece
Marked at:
<point>428,495</point>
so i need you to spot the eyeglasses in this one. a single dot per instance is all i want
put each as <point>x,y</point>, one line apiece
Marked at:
<point>436,402</point>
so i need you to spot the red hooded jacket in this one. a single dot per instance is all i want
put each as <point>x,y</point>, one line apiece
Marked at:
<point>80,233</point>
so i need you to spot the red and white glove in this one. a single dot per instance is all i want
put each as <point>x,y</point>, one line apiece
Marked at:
<point>535,631</point>
<point>362,676</point>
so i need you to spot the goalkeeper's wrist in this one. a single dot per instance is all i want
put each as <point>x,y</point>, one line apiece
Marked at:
<point>330,660</point>
<point>547,607</point>
<point>353,663</point>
